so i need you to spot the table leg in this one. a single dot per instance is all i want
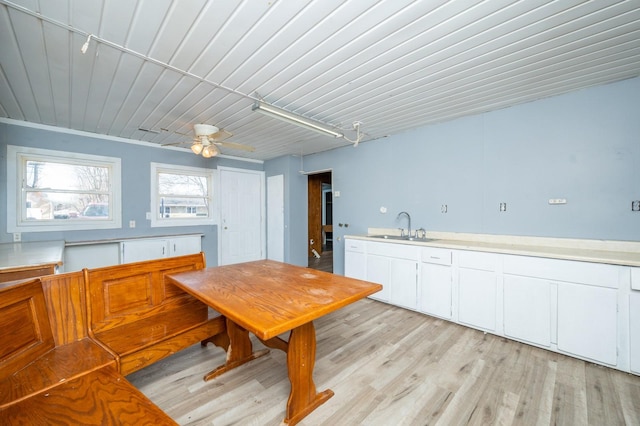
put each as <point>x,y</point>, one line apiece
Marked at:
<point>301,358</point>
<point>240,350</point>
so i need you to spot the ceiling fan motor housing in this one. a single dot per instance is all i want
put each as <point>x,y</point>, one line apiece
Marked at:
<point>204,129</point>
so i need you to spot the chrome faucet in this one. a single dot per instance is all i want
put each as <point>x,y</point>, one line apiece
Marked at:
<point>409,219</point>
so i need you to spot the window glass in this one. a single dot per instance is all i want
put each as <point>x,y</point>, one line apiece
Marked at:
<point>181,195</point>
<point>56,190</point>
<point>62,191</point>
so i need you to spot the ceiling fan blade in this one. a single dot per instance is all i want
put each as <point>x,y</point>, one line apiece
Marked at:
<point>176,143</point>
<point>233,145</point>
<point>220,135</point>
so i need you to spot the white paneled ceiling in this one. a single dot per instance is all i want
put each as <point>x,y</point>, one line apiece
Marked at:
<point>393,65</point>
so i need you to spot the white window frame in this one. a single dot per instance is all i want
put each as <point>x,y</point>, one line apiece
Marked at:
<point>17,157</point>
<point>157,168</point>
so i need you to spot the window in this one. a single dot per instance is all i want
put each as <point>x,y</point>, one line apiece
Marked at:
<point>58,191</point>
<point>181,195</point>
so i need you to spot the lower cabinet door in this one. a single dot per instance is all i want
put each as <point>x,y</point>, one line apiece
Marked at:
<point>378,270</point>
<point>144,249</point>
<point>403,283</point>
<point>587,322</point>
<point>527,309</point>
<point>181,246</point>
<point>634,331</point>
<point>355,265</point>
<point>436,286</point>
<point>477,298</point>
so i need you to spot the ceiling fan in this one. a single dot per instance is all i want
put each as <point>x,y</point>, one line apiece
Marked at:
<point>208,138</point>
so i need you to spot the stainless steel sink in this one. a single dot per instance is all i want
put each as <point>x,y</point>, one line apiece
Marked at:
<point>399,238</point>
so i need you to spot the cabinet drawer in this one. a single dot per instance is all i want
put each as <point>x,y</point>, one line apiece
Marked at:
<point>478,260</point>
<point>400,251</point>
<point>354,245</point>
<point>597,274</point>
<point>436,255</point>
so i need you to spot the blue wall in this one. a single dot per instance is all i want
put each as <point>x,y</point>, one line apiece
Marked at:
<point>136,180</point>
<point>583,146</point>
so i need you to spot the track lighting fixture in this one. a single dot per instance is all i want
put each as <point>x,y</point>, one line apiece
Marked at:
<point>289,117</point>
<point>85,46</point>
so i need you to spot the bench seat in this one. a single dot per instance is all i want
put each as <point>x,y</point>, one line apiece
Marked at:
<point>101,397</point>
<point>61,363</point>
<point>143,342</point>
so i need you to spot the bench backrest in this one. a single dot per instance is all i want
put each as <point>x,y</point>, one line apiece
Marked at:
<point>65,299</point>
<point>24,321</point>
<point>121,294</point>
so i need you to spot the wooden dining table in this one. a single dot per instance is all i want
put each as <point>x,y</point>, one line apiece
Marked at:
<point>268,298</point>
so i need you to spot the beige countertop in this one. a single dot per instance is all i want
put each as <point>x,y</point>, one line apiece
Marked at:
<point>626,253</point>
<point>30,254</point>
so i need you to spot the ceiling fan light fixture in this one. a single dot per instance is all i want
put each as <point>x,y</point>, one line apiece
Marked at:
<point>196,148</point>
<point>289,117</point>
<point>210,151</point>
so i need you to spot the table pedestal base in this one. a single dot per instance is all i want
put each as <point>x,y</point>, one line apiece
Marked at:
<point>301,359</point>
<point>240,350</point>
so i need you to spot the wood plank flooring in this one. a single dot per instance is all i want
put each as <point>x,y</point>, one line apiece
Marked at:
<point>390,366</point>
<point>325,263</point>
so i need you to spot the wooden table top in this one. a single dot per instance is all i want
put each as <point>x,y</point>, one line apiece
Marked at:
<point>268,298</point>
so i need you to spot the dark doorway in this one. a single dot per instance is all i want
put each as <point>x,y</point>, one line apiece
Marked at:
<point>320,221</point>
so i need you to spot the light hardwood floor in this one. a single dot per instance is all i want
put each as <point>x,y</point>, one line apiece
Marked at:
<point>390,366</point>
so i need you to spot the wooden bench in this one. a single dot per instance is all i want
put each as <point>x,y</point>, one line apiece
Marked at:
<point>141,319</point>
<point>48,377</point>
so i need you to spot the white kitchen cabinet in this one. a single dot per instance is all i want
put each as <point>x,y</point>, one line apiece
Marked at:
<point>477,298</point>
<point>527,309</point>
<point>634,331</point>
<point>155,248</point>
<point>77,257</point>
<point>478,289</point>
<point>587,322</point>
<point>379,272</point>
<point>404,283</point>
<point>355,260</point>
<point>436,282</point>
<point>586,309</point>
<point>180,246</point>
<point>143,249</point>
<point>395,266</point>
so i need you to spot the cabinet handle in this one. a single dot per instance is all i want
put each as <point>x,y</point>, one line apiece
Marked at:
<point>434,257</point>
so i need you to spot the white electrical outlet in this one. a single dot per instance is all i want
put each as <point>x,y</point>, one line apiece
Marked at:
<point>557,201</point>
<point>132,224</point>
<point>503,207</point>
<point>17,237</point>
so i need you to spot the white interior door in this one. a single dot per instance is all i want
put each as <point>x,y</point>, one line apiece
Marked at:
<point>275,218</point>
<point>242,229</point>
